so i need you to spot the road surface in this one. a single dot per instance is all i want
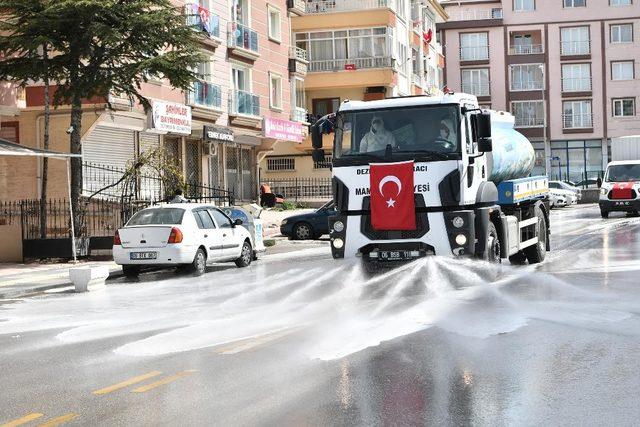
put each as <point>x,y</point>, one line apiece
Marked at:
<point>300,339</point>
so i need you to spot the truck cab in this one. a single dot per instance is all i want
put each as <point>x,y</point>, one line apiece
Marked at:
<point>458,211</point>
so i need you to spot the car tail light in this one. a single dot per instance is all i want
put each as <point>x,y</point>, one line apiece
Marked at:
<point>175,236</point>
<point>116,239</point>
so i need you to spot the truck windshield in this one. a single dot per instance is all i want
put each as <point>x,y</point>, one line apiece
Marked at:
<point>423,133</point>
<point>623,173</point>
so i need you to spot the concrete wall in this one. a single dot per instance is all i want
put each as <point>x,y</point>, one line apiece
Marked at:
<point>11,243</point>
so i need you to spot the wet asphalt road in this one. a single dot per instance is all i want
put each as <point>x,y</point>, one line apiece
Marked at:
<point>299,339</point>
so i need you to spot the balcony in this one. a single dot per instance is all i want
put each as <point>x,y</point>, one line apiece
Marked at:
<point>476,15</point>
<point>204,21</point>
<point>299,115</point>
<point>576,84</point>
<point>528,122</point>
<point>296,7</point>
<point>243,41</point>
<point>532,49</point>
<point>474,53</point>
<point>206,100</point>
<point>477,89</point>
<point>577,121</point>
<point>351,64</point>
<point>244,108</point>
<point>298,63</point>
<point>527,85</point>
<point>328,6</point>
<point>578,48</point>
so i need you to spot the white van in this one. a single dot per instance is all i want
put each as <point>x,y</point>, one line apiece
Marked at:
<point>620,189</point>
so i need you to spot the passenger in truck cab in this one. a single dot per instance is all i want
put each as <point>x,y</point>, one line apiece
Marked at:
<point>444,139</point>
<point>377,138</point>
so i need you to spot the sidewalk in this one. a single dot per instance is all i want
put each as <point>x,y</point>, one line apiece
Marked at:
<point>18,280</point>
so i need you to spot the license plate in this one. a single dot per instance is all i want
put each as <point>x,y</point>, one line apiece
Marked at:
<point>622,203</point>
<point>143,255</point>
<point>396,255</point>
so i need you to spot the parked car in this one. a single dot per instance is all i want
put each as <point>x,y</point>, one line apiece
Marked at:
<point>186,235</point>
<point>310,225</point>
<point>560,198</point>
<point>586,183</point>
<point>560,185</point>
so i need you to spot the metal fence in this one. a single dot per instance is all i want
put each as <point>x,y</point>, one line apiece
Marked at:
<point>301,189</point>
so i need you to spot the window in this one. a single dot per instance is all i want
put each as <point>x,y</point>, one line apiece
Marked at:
<point>576,77</point>
<point>523,5</point>
<point>528,113</point>
<point>275,91</point>
<point>281,163</point>
<point>575,41</point>
<point>241,78</point>
<point>622,70</point>
<point>625,107</point>
<point>159,216</point>
<point>203,219</point>
<point>240,11</point>
<point>10,131</point>
<point>476,82</point>
<point>619,2</point>
<point>324,106</point>
<point>576,114</point>
<point>401,8</point>
<point>474,47</point>
<point>298,100</point>
<point>526,77</point>
<point>326,164</point>
<point>222,220</point>
<point>274,23</point>
<point>575,3</point>
<point>622,33</point>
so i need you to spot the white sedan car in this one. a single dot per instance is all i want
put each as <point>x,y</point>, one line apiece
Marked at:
<point>181,234</point>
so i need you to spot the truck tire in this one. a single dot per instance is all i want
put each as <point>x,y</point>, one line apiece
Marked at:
<point>492,253</point>
<point>536,253</point>
<point>519,258</point>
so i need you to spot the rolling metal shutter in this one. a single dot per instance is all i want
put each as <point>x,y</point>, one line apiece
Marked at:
<point>109,146</point>
<point>148,142</point>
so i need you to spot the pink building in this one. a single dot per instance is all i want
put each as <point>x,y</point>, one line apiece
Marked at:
<point>564,68</point>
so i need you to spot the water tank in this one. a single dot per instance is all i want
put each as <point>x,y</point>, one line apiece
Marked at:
<point>513,156</point>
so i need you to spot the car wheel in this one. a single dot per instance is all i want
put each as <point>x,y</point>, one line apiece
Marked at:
<point>199,264</point>
<point>303,231</point>
<point>536,253</point>
<point>131,271</point>
<point>246,256</point>
<point>604,214</point>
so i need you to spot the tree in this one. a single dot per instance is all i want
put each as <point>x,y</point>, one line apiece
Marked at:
<point>24,41</point>
<point>112,46</point>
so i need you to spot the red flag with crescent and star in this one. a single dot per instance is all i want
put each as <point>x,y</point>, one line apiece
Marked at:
<point>391,195</point>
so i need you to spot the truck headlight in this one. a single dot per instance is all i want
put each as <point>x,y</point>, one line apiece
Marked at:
<point>338,226</point>
<point>461,239</point>
<point>338,243</point>
<point>458,222</point>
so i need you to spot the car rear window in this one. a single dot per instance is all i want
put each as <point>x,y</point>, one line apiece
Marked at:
<point>157,217</point>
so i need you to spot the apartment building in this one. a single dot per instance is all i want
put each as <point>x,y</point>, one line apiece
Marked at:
<point>240,108</point>
<point>564,68</point>
<point>357,50</point>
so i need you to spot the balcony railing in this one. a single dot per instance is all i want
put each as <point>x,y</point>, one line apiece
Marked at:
<point>477,89</point>
<point>576,84</point>
<point>528,122</point>
<point>206,94</point>
<point>531,49</point>
<point>327,6</point>
<point>474,53</point>
<point>351,64</point>
<point>203,20</point>
<point>241,36</point>
<point>575,48</point>
<point>476,15</point>
<point>298,53</point>
<point>241,102</point>
<point>299,115</point>
<point>416,80</point>
<point>577,121</point>
<point>527,85</point>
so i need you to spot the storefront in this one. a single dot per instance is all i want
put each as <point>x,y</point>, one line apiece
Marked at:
<point>577,160</point>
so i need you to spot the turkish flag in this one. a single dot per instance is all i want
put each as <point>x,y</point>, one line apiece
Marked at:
<point>428,36</point>
<point>392,203</point>
<point>622,190</point>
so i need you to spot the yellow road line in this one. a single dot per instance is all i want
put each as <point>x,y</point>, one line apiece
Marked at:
<point>60,420</point>
<point>127,383</point>
<point>163,381</point>
<point>23,420</point>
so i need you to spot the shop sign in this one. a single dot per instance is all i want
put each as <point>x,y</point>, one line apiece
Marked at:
<point>218,134</point>
<point>172,118</point>
<point>282,129</point>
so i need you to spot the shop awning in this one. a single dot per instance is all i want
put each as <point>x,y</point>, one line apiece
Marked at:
<point>8,148</point>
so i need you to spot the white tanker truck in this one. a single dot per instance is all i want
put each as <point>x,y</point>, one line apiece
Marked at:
<point>419,176</point>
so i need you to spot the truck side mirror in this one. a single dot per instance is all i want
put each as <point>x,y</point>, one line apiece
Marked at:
<point>316,136</point>
<point>482,124</point>
<point>317,155</point>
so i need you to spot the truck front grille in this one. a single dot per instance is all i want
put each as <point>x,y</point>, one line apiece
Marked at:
<point>422,223</point>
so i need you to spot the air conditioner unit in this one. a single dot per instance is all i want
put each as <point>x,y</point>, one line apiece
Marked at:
<point>210,149</point>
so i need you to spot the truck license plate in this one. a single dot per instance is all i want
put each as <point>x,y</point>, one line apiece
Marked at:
<point>143,255</point>
<point>394,255</point>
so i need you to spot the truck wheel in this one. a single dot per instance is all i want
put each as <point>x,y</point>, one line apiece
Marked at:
<point>536,253</point>
<point>518,258</point>
<point>492,253</point>
<point>604,214</point>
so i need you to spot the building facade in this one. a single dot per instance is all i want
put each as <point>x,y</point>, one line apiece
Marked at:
<point>357,50</point>
<point>564,68</point>
<point>242,105</point>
